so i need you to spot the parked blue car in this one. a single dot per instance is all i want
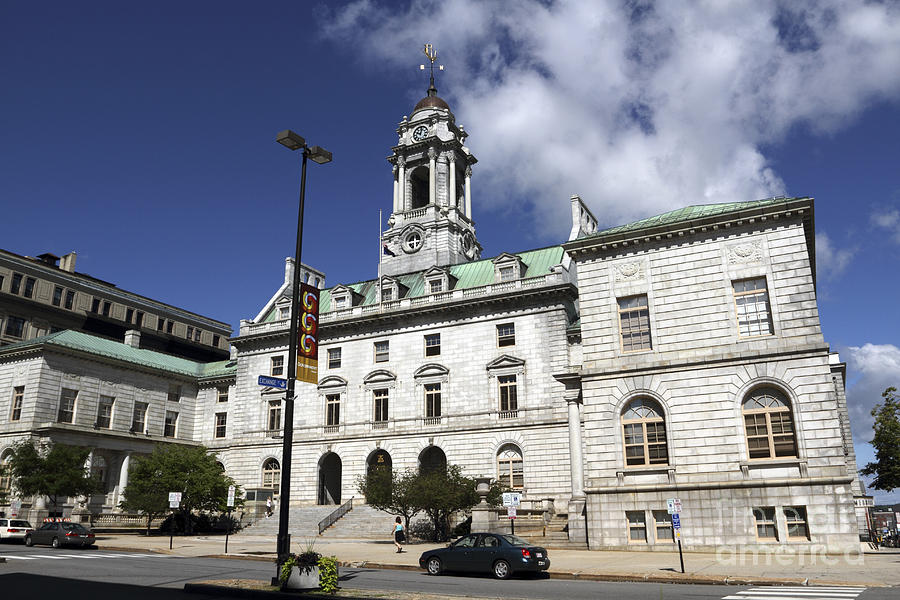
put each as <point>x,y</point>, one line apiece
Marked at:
<point>496,553</point>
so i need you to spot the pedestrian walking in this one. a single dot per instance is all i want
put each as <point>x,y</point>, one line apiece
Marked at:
<point>399,535</point>
<point>268,507</point>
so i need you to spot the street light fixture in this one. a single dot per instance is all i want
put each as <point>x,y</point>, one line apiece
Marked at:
<point>319,155</point>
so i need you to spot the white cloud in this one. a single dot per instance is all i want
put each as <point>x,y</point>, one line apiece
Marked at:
<point>831,261</point>
<point>637,107</point>
<point>870,370</point>
<point>888,219</point>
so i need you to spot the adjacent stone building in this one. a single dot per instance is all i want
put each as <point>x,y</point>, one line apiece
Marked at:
<point>678,356</point>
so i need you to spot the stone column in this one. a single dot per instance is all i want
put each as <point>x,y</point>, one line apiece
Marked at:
<point>123,477</point>
<point>576,456</point>
<point>469,192</point>
<point>401,184</point>
<point>396,188</point>
<point>451,189</point>
<point>81,513</point>
<point>432,175</point>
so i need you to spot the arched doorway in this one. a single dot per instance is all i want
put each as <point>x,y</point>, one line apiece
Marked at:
<point>330,479</point>
<point>380,459</point>
<point>379,463</point>
<point>419,180</point>
<point>432,459</point>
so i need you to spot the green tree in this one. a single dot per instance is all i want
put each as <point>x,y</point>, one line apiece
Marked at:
<point>391,492</point>
<point>886,442</point>
<point>55,470</point>
<point>191,470</point>
<point>440,493</point>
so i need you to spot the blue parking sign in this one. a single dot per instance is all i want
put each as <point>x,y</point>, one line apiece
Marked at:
<point>676,521</point>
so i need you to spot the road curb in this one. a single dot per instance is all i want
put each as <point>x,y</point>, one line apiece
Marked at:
<point>224,590</point>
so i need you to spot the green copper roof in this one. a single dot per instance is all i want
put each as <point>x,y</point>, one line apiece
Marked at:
<point>75,340</point>
<point>691,213</point>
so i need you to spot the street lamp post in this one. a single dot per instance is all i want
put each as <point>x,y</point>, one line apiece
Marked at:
<point>292,141</point>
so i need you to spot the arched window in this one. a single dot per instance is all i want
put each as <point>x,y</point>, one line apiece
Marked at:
<point>769,424</point>
<point>510,468</point>
<point>5,475</point>
<point>271,474</point>
<point>644,431</point>
<point>98,469</point>
<point>432,459</point>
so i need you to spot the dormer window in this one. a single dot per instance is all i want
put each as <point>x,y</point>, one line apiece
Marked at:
<point>387,294</point>
<point>284,312</point>
<point>438,280</point>
<point>340,302</point>
<point>508,267</point>
<point>344,297</point>
<point>391,289</point>
<point>436,286</point>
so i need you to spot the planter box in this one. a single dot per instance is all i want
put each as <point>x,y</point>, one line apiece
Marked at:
<point>303,578</point>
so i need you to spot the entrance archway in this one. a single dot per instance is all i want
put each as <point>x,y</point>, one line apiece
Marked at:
<point>432,459</point>
<point>330,479</point>
<point>380,459</point>
<point>379,462</point>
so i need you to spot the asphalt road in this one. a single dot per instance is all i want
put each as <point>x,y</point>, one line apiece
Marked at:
<point>41,572</point>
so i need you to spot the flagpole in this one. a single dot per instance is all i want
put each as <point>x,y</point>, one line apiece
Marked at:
<point>380,253</point>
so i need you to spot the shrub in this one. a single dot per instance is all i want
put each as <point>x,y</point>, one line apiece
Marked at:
<point>328,574</point>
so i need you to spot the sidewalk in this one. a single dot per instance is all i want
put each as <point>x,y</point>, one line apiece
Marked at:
<point>880,568</point>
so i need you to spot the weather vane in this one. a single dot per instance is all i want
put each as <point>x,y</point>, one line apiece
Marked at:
<point>432,56</point>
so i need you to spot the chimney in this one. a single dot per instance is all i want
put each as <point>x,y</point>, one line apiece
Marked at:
<point>67,262</point>
<point>133,338</point>
<point>288,270</point>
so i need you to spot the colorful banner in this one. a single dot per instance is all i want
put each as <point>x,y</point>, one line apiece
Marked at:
<point>308,335</point>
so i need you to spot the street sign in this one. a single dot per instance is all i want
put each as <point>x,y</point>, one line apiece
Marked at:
<point>230,502</point>
<point>511,512</point>
<point>676,521</point>
<point>512,498</point>
<point>174,499</point>
<point>275,382</point>
<point>673,505</point>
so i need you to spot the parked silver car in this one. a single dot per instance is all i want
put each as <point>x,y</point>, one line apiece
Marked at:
<point>14,529</point>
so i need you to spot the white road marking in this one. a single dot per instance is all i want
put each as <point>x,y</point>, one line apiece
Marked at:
<point>10,556</point>
<point>798,593</point>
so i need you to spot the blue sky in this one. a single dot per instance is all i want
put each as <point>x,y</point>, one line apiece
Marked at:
<point>142,135</point>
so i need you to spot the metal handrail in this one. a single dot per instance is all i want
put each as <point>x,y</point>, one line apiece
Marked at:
<point>336,514</point>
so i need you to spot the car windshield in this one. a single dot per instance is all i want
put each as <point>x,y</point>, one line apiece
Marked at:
<point>515,540</point>
<point>19,524</point>
<point>74,527</point>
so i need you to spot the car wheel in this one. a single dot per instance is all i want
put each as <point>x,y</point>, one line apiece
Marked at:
<point>55,543</point>
<point>28,541</point>
<point>434,566</point>
<point>501,569</point>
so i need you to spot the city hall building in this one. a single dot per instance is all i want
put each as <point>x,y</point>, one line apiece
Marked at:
<point>677,356</point>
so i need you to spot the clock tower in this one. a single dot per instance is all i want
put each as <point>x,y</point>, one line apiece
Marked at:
<point>431,221</point>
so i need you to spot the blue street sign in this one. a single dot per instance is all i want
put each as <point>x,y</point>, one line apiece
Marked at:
<point>676,521</point>
<point>275,382</point>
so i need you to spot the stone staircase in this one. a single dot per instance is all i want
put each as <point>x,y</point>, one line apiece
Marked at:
<point>362,522</point>
<point>554,534</point>
<point>304,523</point>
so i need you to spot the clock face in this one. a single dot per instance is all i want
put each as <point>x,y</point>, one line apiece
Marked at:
<point>420,133</point>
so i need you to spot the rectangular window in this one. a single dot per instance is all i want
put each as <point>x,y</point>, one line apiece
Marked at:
<point>16,284</point>
<point>139,418</point>
<point>106,308</point>
<point>334,358</point>
<point>432,400</point>
<point>634,323</point>
<point>765,523</point>
<point>57,296</point>
<point>508,393</point>
<point>190,333</point>
<point>70,300</point>
<point>751,297</point>
<point>284,313</point>
<point>104,412</point>
<point>215,341</point>
<point>29,287</point>
<point>222,394</point>
<point>274,421</point>
<point>340,302</point>
<point>174,393</point>
<point>382,351</point>
<point>197,333</point>
<point>381,406</point>
<point>797,525</point>
<point>160,323</point>
<point>387,294</point>
<point>17,400</point>
<point>169,326</point>
<point>433,344</point>
<point>95,305</point>
<point>436,286</point>
<point>506,334</point>
<point>637,526</point>
<point>507,273</point>
<point>277,367</point>
<point>171,423</point>
<point>129,315</point>
<point>139,320</point>
<point>221,420</point>
<point>333,410</point>
<point>662,521</point>
<point>15,326</point>
<point>66,412</point>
